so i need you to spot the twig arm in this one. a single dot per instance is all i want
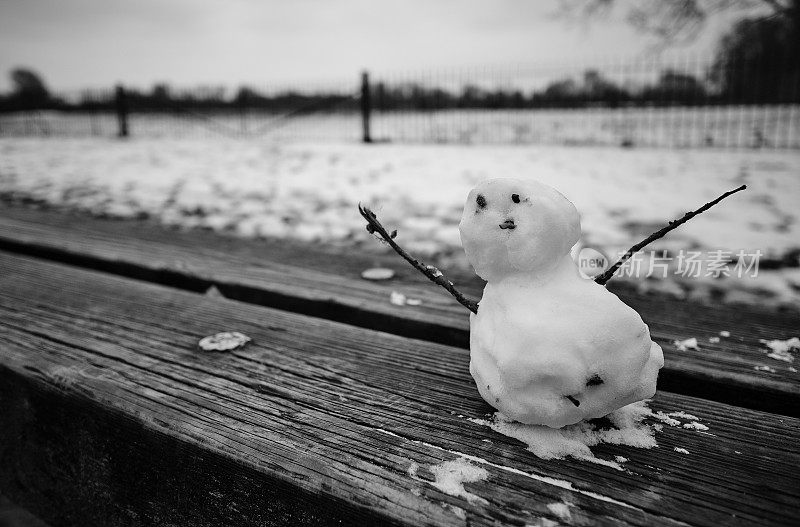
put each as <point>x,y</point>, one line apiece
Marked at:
<point>433,274</point>
<point>609,273</point>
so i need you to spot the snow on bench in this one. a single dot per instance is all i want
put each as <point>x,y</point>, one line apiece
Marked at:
<point>728,363</point>
<point>110,414</point>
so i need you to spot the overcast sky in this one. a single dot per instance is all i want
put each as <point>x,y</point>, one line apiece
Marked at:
<point>95,43</point>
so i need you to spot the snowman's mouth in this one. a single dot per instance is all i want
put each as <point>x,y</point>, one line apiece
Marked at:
<point>508,224</point>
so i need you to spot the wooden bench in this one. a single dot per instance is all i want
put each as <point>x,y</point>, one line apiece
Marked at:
<point>334,414</point>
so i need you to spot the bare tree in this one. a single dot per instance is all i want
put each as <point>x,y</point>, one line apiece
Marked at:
<point>27,81</point>
<point>671,21</point>
<point>758,59</point>
<point>29,90</point>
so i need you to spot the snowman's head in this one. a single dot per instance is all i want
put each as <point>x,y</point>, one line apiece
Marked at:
<point>512,225</point>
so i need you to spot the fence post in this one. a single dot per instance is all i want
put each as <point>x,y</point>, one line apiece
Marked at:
<point>245,96</point>
<point>366,107</point>
<point>121,104</point>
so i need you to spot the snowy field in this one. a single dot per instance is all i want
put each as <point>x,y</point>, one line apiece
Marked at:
<point>309,191</point>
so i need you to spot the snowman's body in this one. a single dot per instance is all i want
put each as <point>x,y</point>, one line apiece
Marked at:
<point>547,346</point>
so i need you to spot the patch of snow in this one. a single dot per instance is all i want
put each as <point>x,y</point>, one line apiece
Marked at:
<point>225,341</point>
<point>724,333</point>
<point>666,419</point>
<point>561,510</point>
<point>684,345</point>
<point>560,483</point>
<point>684,415</point>
<point>620,459</point>
<point>213,292</point>
<point>713,340</point>
<point>451,476</point>
<point>695,426</point>
<point>792,369</point>
<point>681,450</point>
<point>412,469</point>
<point>377,273</point>
<point>763,367</point>
<point>398,299</point>
<point>436,272</point>
<point>574,440</point>
<point>781,348</point>
<point>781,355</point>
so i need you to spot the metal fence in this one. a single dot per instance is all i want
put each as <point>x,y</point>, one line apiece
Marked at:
<point>634,103</point>
<point>325,111</point>
<point>686,102</point>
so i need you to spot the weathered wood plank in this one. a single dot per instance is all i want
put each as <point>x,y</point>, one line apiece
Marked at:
<point>326,282</point>
<point>103,393</point>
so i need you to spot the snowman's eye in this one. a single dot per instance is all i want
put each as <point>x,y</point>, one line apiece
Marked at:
<point>515,198</point>
<point>481,201</point>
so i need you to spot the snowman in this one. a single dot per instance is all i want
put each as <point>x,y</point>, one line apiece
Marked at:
<point>547,346</point>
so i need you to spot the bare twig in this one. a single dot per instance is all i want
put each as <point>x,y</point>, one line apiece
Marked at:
<point>609,273</point>
<point>433,274</point>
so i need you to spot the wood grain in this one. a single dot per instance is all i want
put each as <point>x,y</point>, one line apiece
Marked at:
<point>109,411</point>
<point>325,282</point>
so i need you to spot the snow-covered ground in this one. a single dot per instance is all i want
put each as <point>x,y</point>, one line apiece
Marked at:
<point>309,191</point>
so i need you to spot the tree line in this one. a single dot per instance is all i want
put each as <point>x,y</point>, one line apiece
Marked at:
<point>591,89</point>
<point>30,93</point>
<point>757,62</point>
